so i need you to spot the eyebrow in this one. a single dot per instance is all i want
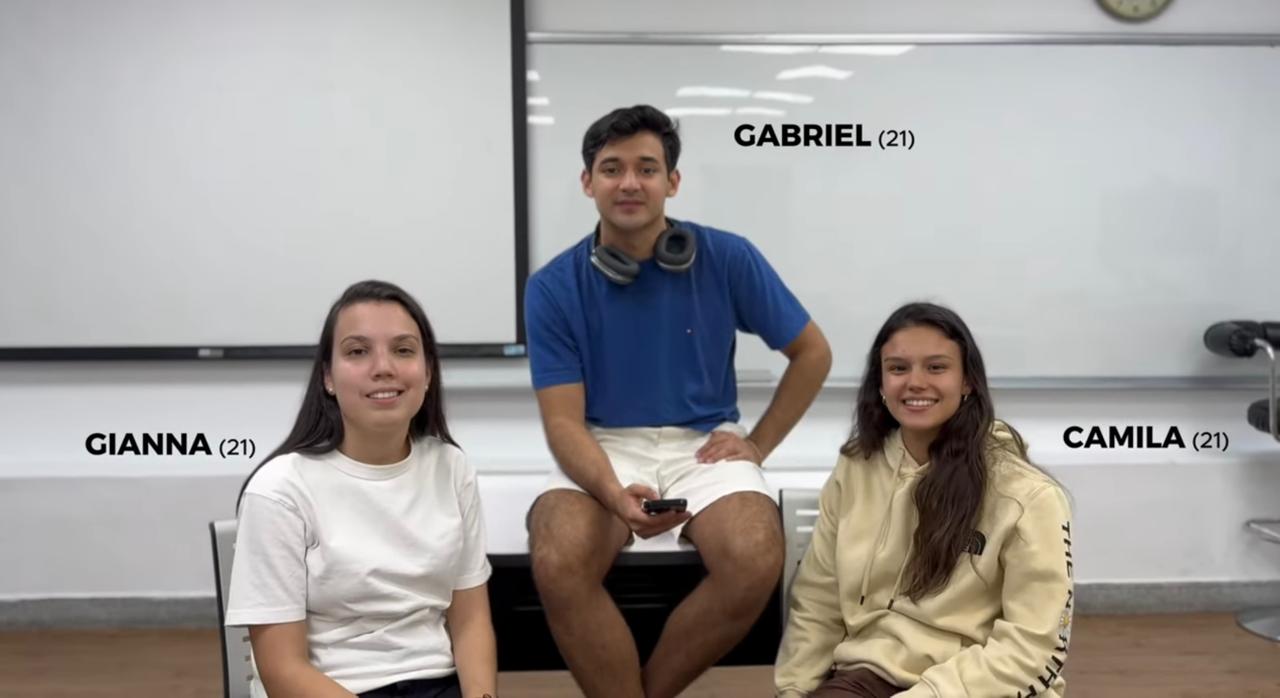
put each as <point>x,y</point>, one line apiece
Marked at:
<point>362,338</point>
<point>935,357</point>
<point>615,158</point>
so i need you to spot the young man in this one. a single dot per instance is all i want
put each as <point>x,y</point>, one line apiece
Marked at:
<point>631,342</point>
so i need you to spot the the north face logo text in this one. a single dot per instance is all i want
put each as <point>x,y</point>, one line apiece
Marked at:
<point>977,544</point>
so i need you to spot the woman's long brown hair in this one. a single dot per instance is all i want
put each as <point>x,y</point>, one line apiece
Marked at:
<point>949,497</point>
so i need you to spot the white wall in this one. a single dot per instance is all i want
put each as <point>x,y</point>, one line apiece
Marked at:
<point>86,525</point>
<point>72,524</point>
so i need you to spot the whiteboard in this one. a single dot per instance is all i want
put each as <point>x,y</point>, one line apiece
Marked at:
<point>186,173</point>
<point>1089,210</point>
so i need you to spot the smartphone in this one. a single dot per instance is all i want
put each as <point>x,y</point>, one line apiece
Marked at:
<point>653,507</point>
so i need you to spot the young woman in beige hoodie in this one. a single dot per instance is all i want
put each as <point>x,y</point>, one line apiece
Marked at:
<point>940,563</point>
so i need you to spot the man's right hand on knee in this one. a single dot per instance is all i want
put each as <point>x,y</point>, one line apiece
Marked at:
<point>626,504</point>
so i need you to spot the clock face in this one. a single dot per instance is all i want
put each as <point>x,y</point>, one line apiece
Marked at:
<point>1134,10</point>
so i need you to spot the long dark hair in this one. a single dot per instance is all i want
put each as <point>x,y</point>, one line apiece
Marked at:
<point>318,427</point>
<point>949,497</point>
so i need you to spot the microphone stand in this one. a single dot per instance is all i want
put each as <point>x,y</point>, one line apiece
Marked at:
<point>1265,621</point>
<point>1271,406</point>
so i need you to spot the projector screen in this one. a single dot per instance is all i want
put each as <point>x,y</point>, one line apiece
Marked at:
<point>186,178</point>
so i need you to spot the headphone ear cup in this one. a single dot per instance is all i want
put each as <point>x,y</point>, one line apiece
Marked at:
<point>616,266</point>
<point>676,249</point>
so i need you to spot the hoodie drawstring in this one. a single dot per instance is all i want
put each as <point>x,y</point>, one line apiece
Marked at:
<point>897,583</point>
<point>882,536</point>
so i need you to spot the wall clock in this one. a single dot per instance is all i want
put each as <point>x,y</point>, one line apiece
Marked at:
<point>1134,10</point>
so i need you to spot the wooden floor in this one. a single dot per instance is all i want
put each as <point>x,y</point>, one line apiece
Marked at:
<point>1191,656</point>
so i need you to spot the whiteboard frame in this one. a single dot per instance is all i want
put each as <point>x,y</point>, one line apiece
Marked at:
<point>1080,38</point>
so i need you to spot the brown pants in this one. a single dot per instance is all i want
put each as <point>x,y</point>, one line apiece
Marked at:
<point>859,683</point>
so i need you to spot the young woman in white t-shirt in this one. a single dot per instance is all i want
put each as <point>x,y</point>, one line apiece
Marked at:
<point>360,566</point>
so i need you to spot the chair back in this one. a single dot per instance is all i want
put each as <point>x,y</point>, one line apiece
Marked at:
<point>799,515</point>
<point>237,659</point>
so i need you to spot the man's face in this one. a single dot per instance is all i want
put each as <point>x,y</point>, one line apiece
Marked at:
<point>630,182</point>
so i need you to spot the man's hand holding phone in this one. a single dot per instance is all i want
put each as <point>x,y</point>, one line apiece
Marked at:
<point>630,506</point>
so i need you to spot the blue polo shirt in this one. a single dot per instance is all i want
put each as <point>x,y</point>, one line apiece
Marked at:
<point>657,352</point>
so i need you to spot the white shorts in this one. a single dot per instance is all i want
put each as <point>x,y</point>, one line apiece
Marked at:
<point>663,458</point>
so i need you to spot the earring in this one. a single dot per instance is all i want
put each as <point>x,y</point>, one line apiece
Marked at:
<point>882,399</point>
<point>964,397</point>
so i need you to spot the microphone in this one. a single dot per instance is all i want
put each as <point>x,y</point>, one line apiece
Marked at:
<point>1233,338</point>
<point>1271,333</point>
<point>1259,417</point>
<point>1243,338</point>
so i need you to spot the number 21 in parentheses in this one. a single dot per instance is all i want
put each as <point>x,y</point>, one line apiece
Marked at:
<point>237,447</point>
<point>1211,440</point>
<point>904,138</point>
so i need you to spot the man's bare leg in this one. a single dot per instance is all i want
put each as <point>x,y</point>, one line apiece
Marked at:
<point>740,540</point>
<point>573,541</point>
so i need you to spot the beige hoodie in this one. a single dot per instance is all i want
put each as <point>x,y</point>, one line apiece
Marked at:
<point>999,628</point>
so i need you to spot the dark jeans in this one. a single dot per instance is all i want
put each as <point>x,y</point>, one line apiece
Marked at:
<point>859,683</point>
<point>444,687</point>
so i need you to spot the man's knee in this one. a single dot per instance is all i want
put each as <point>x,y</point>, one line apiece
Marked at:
<point>569,541</point>
<point>756,553</point>
<point>744,542</point>
<point>557,573</point>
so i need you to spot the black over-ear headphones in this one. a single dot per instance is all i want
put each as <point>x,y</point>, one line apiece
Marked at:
<point>674,251</point>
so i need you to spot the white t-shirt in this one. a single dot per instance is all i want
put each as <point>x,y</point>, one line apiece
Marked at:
<point>368,555</point>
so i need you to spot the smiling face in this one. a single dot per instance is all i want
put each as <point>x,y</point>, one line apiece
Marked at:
<point>630,183</point>
<point>378,370</point>
<point>922,381</point>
